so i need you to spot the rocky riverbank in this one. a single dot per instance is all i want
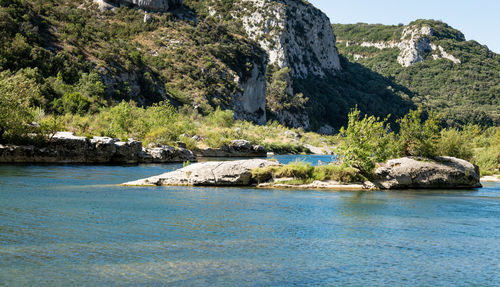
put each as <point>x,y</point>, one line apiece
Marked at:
<point>64,147</point>
<point>491,178</point>
<point>403,173</point>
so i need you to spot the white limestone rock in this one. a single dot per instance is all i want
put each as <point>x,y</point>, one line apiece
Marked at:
<point>442,172</point>
<point>250,104</point>
<point>148,5</point>
<point>294,34</point>
<point>223,173</point>
<point>415,44</point>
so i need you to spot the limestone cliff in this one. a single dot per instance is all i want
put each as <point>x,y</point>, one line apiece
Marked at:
<point>294,34</point>
<point>289,34</point>
<point>250,103</point>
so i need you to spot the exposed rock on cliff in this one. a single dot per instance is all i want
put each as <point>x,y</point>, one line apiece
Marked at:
<point>414,49</point>
<point>443,172</point>
<point>250,104</point>
<point>148,5</point>
<point>294,34</point>
<point>415,45</point>
<point>225,173</point>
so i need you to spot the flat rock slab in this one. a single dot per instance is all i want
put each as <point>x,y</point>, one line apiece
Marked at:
<point>491,178</point>
<point>215,173</point>
<point>441,172</point>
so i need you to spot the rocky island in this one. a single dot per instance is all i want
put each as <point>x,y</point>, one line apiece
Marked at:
<point>403,173</point>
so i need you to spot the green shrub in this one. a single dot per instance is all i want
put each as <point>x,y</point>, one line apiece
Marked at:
<point>418,137</point>
<point>453,142</point>
<point>364,142</point>
<point>17,92</point>
<point>221,118</point>
<point>487,157</point>
<point>338,173</point>
<point>73,103</point>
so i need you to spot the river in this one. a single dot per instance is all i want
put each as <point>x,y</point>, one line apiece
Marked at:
<point>71,225</point>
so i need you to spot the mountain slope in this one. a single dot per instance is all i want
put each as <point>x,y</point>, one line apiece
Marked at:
<point>442,70</point>
<point>263,59</point>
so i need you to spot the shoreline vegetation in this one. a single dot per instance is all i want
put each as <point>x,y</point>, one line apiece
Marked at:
<point>359,147</point>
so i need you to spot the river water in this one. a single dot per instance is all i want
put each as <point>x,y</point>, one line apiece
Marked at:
<point>71,225</point>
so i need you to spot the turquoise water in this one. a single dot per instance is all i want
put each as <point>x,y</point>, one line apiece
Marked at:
<point>71,225</point>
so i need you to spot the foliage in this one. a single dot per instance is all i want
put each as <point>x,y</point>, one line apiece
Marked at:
<point>464,93</point>
<point>17,93</point>
<point>418,137</point>
<point>487,151</point>
<point>365,142</point>
<point>456,143</point>
<point>278,96</point>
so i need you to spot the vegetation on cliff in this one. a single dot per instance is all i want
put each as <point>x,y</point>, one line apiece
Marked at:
<point>464,93</point>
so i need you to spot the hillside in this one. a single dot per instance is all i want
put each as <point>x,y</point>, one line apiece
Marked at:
<point>265,60</point>
<point>201,54</point>
<point>442,70</point>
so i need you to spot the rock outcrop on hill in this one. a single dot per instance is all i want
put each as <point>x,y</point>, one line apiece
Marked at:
<point>442,172</point>
<point>148,5</point>
<point>250,103</point>
<point>415,45</point>
<point>224,173</point>
<point>294,34</point>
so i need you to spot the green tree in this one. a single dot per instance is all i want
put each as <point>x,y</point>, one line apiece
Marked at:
<point>365,142</point>
<point>17,91</point>
<point>418,137</point>
<point>278,94</point>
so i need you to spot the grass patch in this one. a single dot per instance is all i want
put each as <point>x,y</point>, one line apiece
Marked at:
<point>304,173</point>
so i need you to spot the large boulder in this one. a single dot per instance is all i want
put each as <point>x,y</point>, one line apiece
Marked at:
<point>441,172</point>
<point>214,173</point>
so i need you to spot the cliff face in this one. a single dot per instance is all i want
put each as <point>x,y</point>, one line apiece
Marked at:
<point>294,34</point>
<point>250,103</point>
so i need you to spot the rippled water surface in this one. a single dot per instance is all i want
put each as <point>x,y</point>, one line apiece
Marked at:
<point>71,225</point>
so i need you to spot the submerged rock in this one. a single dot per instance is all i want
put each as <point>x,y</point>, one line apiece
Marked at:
<point>215,173</point>
<point>442,172</point>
